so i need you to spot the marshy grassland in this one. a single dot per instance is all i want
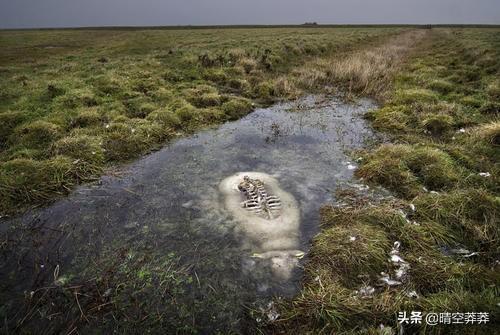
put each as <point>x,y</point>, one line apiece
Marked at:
<point>440,112</point>
<point>75,103</point>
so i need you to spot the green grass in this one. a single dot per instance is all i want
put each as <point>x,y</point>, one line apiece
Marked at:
<point>118,93</point>
<point>440,111</point>
<point>74,102</point>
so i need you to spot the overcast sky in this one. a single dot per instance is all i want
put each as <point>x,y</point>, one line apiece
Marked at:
<point>77,13</point>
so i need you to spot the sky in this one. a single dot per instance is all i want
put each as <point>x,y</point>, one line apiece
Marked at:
<point>78,13</point>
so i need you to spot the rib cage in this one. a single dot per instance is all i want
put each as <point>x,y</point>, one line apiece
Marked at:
<point>258,201</point>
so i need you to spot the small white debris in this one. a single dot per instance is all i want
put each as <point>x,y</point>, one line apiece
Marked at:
<point>412,207</point>
<point>107,126</point>
<point>412,294</point>
<point>485,174</point>
<point>401,272</point>
<point>365,291</point>
<point>460,251</point>
<point>188,204</point>
<point>425,189</point>
<point>385,279</point>
<point>361,187</point>
<point>352,238</point>
<point>351,167</point>
<point>270,311</point>
<point>93,152</point>
<point>461,130</point>
<point>133,130</point>
<point>396,259</point>
<point>400,263</point>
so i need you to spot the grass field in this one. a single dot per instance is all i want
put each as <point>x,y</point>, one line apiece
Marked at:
<point>76,102</point>
<point>441,114</point>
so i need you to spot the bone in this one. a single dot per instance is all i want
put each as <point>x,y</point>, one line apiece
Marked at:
<point>275,238</point>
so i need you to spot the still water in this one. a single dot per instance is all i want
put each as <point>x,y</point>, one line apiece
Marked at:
<point>170,203</point>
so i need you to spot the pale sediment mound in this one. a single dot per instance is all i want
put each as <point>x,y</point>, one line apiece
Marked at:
<point>275,241</point>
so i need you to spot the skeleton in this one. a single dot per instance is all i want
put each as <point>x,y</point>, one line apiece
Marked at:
<point>258,201</point>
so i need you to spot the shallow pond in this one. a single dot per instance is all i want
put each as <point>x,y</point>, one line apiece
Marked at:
<point>164,217</point>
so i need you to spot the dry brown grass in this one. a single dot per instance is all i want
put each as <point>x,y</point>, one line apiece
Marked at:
<point>365,72</point>
<point>369,71</point>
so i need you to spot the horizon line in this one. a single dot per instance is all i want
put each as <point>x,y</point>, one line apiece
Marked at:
<point>303,25</point>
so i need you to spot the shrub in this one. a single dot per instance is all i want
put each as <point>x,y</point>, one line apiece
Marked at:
<point>490,107</point>
<point>472,214</point>
<point>265,91</point>
<point>24,181</point>
<point>416,96</point>
<point>248,64</point>
<point>27,153</point>
<point>36,134</point>
<point>88,118</point>
<point>285,88</point>
<point>107,85</point>
<point>236,54</point>
<point>54,91</point>
<point>86,151</point>
<point>215,75</point>
<point>434,168</point>
<point>386,166</point>
<point>138,107</point>
<point>77,98</point>
<point>390,118</point>
<point>236,108</point>
<point>212,115</point>
<point>127,139</point>
<point>366,256</point>
<point>471,101</point>
<point>240,85</point>
<point>161,95</point>
<point>402,167</point>
<point>438,124</point>
<point>206,100</point>
<point>84,148</point>
<point>166,118</point>
<point>186,114</point>
<point>9,121</point>
<point>485,140</point>
<point>173,76</point>
<point>493,89</point>
<point>441,86</point>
